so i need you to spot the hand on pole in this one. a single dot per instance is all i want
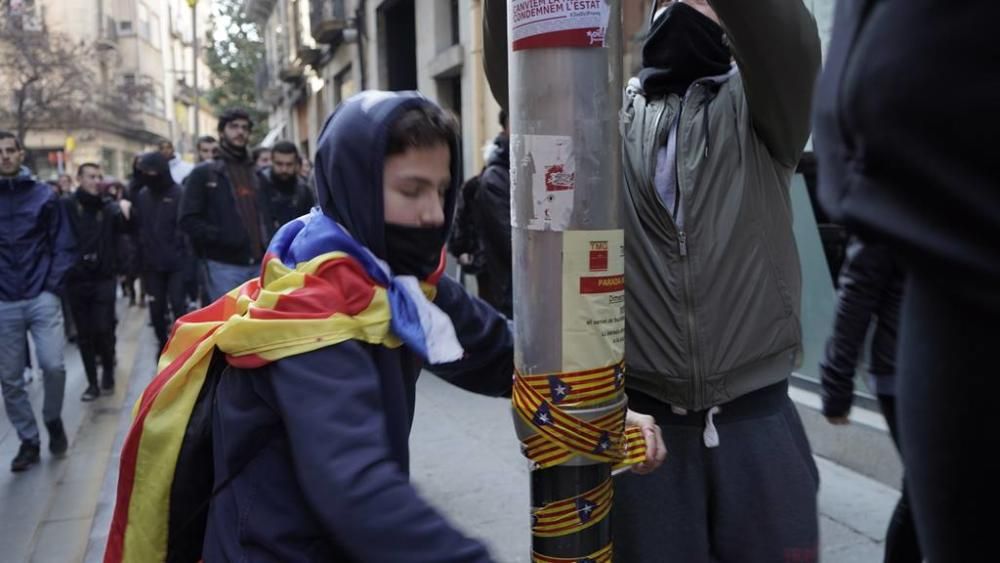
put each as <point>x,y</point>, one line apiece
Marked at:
<point>656,451</point>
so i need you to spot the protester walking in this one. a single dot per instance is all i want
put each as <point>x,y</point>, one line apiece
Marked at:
<point>36,250</point>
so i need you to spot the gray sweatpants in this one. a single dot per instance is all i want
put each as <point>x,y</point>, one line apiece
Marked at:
<point>751,499</point>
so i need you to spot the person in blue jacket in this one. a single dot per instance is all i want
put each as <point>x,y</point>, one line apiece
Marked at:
<point>37,248</point>
<point>318,442</point>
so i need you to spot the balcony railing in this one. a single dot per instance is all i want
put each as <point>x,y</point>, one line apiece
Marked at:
<point>328,20</point>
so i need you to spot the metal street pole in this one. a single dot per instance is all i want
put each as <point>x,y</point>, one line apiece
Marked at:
<point>194,70</point>
<point>565,80</point>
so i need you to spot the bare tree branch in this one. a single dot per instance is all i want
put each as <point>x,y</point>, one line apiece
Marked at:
<point>48,80</point>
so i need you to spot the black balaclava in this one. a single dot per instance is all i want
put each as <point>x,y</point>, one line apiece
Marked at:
<point>350,160</point>
<point>154,162</point>
<point>414,251</point>
<point>682,46</point>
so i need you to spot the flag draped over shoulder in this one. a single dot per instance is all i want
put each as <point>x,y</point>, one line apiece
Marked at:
<point>318,287</point>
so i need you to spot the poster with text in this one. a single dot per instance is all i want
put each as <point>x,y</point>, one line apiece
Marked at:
<point>593,303</point>
<point>537,24</point>
<point>545,165</point>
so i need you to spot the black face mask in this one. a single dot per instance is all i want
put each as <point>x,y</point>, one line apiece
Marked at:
<point>413,251</point>
<point>157,181</point>
<point>683,45</point>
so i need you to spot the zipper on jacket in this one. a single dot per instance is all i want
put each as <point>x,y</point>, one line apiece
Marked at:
<point>686,266</point>
<point>677,169</point>
<point>706,126</point>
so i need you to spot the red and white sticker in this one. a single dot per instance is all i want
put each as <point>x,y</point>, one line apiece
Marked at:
<point>546,166</point>
<point>540,24</point>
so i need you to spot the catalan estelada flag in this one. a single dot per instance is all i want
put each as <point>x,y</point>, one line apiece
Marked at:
<point>318,287</point>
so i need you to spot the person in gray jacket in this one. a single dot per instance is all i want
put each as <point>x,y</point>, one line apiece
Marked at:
<point>713,279</point>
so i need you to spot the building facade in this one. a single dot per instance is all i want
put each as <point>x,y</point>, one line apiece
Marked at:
<point>320,52</point>
<point>142,46</point>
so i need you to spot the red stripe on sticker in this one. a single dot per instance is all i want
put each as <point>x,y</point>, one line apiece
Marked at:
<point>602,284</point>
<point>588,37</point>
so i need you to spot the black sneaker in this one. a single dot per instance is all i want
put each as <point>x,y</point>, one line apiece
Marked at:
<point>108,383</point>
<point>58,444</point>
<point>26,457</point>
<point>90,394</point>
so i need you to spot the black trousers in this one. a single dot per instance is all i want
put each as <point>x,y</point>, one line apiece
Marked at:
<point>165,289</point>
<point>947,399</point>
<point>92,302</point>
<point>901,545</point>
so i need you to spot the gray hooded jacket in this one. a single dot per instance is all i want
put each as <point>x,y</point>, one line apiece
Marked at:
<point>712,308</point>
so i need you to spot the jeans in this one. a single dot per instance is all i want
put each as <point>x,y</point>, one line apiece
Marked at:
<point>42,317</point>
<point>220,277</point>
<point>163,289</point>
<point>94,300</point>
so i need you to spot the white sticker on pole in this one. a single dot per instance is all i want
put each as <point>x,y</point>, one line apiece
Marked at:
<point>539,24</point>
<point>593,304</point>
<point>546,165</point>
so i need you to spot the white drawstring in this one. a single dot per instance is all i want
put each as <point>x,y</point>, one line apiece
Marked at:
<point>711,435</point>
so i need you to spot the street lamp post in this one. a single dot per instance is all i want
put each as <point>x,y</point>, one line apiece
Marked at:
<point>569,271</point>
<point>194,69</point>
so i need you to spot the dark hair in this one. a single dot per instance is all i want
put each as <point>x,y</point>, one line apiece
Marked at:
<point>9,135</point>
<point>79,170</point>
<point>205,139</point>
<point>422,127</point>
<point>286,147</point>
<point>165,143</point>
<point>231,115</point>
<point>503,118</point>
<point>255,154</point>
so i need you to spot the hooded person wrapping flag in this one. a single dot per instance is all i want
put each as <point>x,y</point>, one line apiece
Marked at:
<point>277,426</point>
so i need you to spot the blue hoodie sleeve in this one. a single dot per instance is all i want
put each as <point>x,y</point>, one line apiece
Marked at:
<point>488,365</point>
<point>61,242</point>
<point>337,433</point>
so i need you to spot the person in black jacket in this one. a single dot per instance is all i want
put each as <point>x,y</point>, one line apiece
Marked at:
<point>464,243</point>
<point>97,223</point>
<point>905,134</point>
<point>288,196</point>
<point>224,211</point>
<point>870,292</point>
<point>491,210</point>
<point>162,247</point>
<point>127,255</point>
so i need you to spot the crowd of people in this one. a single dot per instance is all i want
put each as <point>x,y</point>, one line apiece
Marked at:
<point>186,233</point>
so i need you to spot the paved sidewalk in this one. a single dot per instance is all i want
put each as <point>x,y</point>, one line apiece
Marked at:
<point>48,509</point>
<point>467,461</point>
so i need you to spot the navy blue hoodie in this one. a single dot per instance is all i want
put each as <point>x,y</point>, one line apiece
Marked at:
<point>37,246</point>
<point>327,432</point>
